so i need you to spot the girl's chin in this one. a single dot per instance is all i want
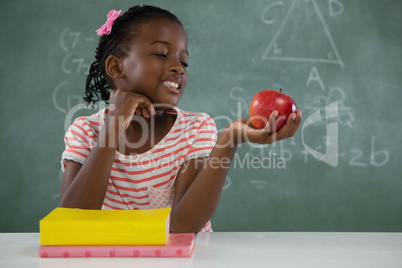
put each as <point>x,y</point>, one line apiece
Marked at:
<point>164,106</point>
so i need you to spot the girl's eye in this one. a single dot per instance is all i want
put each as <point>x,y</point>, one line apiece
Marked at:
<point>164,56</point>
<point>161,55</point>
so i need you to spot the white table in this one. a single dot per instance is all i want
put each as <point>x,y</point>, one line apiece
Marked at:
<point>234,249</point>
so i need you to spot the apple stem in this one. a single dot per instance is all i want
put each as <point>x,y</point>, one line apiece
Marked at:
<point>280,90</point>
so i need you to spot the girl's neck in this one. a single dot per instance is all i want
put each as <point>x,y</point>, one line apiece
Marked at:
<point>153,123</point>
<point>144,133</point>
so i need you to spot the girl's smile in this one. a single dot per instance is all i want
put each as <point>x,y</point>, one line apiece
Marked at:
<point>173,86</point>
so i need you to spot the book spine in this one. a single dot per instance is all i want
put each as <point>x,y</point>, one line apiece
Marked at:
<point>114,251</point>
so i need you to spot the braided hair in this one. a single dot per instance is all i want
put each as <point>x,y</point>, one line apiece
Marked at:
<point>125,29</point>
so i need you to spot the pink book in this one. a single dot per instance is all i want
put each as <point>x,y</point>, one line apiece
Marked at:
<point>178,245</point>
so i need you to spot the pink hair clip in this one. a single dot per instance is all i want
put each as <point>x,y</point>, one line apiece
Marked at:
<point>107,27</point>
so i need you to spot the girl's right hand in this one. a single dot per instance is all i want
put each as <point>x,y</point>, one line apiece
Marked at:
<point>123,104</point>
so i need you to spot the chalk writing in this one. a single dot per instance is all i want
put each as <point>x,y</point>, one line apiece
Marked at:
<point>70,99</point>
<point>356,157</point>
<point>243,103</point>
<point>314,102</point>
<point>68,39</point>
<point>228,183</point>
<point>259,184</point>
<point>278,48</point>
<point>335,8</point>
<point>266,11</point>
<point>72,62</point>
<point>72,65</point>
<point>315,76</point>
<point>376,159</point>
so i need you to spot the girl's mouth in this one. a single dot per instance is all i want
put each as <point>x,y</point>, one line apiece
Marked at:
<point>172,86</point>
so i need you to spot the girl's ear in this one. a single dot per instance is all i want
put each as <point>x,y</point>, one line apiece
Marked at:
<point>113,67</point>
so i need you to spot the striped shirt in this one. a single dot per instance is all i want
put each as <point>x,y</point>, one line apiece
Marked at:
<point>145,181</point>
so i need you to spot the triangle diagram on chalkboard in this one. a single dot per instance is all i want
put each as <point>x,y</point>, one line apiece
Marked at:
<point>303,36</point>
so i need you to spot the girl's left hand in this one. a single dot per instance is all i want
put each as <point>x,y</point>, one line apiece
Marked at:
<point>242,130</point>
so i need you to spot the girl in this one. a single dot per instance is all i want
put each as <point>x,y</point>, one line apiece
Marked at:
<point>142,151</point>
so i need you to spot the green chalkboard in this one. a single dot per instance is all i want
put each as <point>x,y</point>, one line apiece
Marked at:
<point>339,59</point>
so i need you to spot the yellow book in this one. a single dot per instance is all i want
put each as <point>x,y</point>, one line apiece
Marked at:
<point>71,226</point>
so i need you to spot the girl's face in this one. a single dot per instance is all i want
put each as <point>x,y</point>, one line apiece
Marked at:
<point>155,65</point>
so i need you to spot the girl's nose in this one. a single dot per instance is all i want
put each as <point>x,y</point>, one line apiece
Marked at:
<point>176,67</point>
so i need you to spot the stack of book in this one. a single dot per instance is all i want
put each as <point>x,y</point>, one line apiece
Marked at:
<point>67,232</point>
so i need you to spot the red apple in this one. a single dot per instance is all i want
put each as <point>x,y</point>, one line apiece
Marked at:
<point>267,101</point>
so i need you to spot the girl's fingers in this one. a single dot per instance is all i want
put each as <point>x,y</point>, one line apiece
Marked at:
<point>284,131</point>
<point>147,104</point>
<point>288,130</point>
<point>129,101</point>
<point>151,109</point>
<point>296,124</point>
<point>146,107</point>
<point>145,112</point>
<point>270,126</point>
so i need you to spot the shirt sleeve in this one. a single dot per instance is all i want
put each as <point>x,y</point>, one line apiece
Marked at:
<point>78,141</point>
<point>205,139</point>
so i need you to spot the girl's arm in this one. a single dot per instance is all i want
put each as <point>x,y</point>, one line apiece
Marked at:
<point>84,186</point>
<point>200,181</point>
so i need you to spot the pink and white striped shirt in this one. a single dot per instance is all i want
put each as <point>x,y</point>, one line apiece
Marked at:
<point>145,181</point>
